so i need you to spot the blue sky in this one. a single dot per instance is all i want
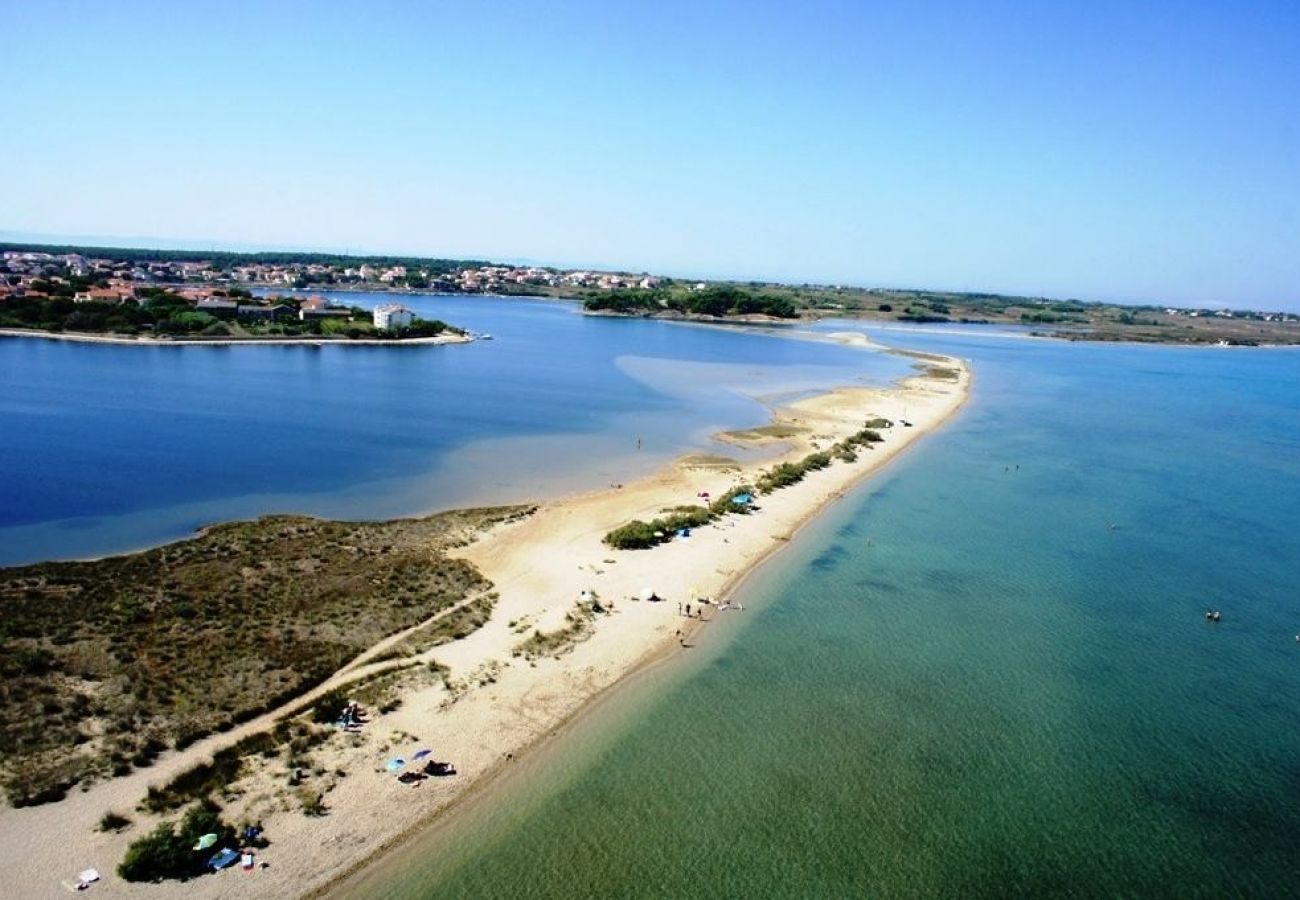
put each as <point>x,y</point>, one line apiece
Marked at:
<point>1123,151</point>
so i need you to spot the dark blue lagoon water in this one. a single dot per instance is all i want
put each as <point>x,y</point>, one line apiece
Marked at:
<point>963,681</point>
<point>108,448</point>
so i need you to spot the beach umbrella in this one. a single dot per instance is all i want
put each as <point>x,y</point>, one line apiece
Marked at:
<point>206,841</point>
<point>421,754</point>
<point>395,764</point>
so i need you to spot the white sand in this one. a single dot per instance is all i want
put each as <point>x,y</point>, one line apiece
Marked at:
<point>539,566</point>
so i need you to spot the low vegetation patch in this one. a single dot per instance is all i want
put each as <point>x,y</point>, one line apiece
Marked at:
<point>640,535</point>
<point>777,431</point>
<point>577,628</point>
<point>215,776</point>
<point>107,663</point>
<point>114,822</point>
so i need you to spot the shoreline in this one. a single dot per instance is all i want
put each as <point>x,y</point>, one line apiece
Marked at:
<point>438,823</point>
<point>315,341</point>
<point>498,706</point>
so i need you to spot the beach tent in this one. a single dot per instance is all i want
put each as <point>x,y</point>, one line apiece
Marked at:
<point>421,754</point>
<point>742,499</point>
<point>220,860</point>
<point>206,841</point>
<point>395,764</point>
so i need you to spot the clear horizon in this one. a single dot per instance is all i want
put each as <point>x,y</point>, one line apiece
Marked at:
<point>1098,152</point>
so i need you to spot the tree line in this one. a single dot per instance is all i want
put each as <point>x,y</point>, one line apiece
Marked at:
<point>721,301</point>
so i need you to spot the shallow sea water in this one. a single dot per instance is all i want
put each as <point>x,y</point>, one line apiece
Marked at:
<point>962,681</point>
<point>111,448</point>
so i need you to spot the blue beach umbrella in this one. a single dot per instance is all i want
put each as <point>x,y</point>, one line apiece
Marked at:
<point>395,764</point>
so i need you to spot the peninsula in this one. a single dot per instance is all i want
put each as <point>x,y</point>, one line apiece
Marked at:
<point>491,629</point>
<point>121,312</point>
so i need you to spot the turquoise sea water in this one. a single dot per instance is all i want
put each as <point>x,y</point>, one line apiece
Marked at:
<point>962,682</point>
<point>110,448</point>
<point>959,682</point>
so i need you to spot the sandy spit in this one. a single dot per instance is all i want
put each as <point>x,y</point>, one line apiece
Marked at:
<point>495,705</point>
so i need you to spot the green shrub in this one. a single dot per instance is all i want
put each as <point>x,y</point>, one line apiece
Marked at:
<point>328,708</point>
<point>113,821</point>
<point>166,853</point>
<point>724,505</point>
<point>780,476</point>
<point>157,856</point>
<point>684,517</point>
<point>816,461</point>
<point>635,535</point>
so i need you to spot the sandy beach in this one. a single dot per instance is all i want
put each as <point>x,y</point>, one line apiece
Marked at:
<point>495,703</point>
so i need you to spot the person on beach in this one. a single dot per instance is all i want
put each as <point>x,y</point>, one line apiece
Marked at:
<point>688,610</point>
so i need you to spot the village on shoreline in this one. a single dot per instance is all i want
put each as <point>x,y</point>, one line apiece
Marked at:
<point>219,286</point>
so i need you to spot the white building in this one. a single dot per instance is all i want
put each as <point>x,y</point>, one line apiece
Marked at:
<point>390,316</point>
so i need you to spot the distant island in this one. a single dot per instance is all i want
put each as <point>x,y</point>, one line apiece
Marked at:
<point>88,289</point>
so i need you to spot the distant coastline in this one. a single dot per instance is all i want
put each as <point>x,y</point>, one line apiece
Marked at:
<point>308,340</point>
<point>671,315</point>
<point>36,270</point>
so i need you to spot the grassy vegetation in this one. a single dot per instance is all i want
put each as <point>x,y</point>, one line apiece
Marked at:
<point>456,624</point>
<point>105,664</point>
<point>216,775</point>
<point>778,430</point>
<point>577,627</point>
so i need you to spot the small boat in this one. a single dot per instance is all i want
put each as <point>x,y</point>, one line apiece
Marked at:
<point>485,337</point>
